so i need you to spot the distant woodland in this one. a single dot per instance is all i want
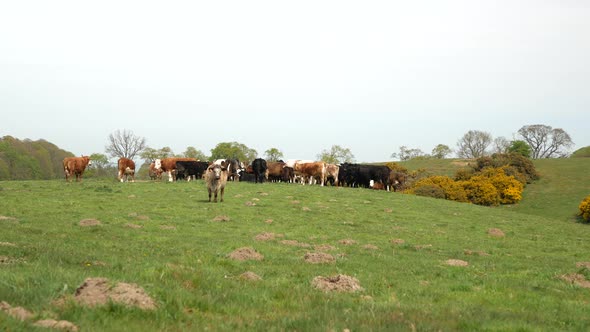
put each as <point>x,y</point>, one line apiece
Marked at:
<point>30,160</point>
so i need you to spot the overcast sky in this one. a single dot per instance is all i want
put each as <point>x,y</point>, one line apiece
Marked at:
<point>299,76</point>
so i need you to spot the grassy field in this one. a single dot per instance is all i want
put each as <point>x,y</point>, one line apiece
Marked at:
<point>164,237</point>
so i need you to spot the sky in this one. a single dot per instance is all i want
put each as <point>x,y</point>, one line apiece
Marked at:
<point>299,76</point>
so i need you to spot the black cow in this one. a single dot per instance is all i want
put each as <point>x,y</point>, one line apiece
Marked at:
<point>355,175</point>
<point>259,168</point>
<point>186,169</point>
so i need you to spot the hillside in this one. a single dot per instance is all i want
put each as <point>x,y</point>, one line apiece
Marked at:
<point>563,184</point>
<point>166,239</point>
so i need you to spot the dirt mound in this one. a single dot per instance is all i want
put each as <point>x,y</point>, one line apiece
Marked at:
<point>324,247</point>
<point>98,291</point>
<point>295,243</point>
<point>135,226</point>
<point>578,264</point>
<point>337,283</point>
<point>245,254</point>
<point>267,236</point>
<point>19,313</point>
<point>221,218</point>
<point>473,253</point>
<point>318,258</point>
<point>496,232</point>
<point>398,241</point>
<point>456,262</point>
<point>249,276</point>
<point>63,325</point>
<point>7,244</point>
<point>347,242</point>
<point>89,222</point>
<point>576,279</point>
<point>370,247</point>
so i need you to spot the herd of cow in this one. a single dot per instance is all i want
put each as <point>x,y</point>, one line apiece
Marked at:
<point>293,171</point>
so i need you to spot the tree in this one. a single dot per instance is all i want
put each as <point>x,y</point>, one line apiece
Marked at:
<point>336,155</point>
<point>192,152</point>
<point>124,144</point>
<point>233,150</point>
<point>100,165</point>
<point>521,148</point>
<point>273,154</point>
<point>546,142</point>
<point>474,144</point>
<point>406,154</point>
<point>501,145</point>
<point>441,151</point>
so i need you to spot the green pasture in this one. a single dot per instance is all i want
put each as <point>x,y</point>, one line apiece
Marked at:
<point>164,238</point>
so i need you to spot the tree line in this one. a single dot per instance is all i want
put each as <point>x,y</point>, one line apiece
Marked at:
<point>38,160</point>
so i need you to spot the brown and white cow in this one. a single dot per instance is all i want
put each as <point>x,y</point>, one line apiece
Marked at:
<point>310,171</point>
<point>154,173</point>
<point>75,166</point>
<point>216,179</point>
<point>168,165</point>
<point>126,168</point>
<point>332,173</point>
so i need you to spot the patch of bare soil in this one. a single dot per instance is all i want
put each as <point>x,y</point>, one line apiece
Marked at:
<point>456,262</point>
<point>63,325</point>
<point>306,209</point>
<point>318,258</point>
<point>2,218</point>
<point>370,247</point>
<point>388,210</point>
<point>337,283</point>
<point>5,260</point>
<point>583,264</point>
<point>324,247</point>
<point>347,242</point>
<point>7,244</point>
<point>576,279</point>
<point>295,202</point>
<point>19,313</point>
<point>249,276</point>
<point>474,253</point>
<point>222,218</point>
<point>398,241</point>
<point>268,221</point>
<point>245,254</point>
<point>135,226</point>
<point>267,236</point>
<point>143,218</point>
<point>98,291</point>
<point>496,232</point>
<point>423,246</point>
<point>296,243</point>
<point>250,203</point>
<point>89,222</point>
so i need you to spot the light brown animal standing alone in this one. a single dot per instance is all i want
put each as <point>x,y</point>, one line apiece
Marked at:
<point>216,178</point>
<point>126,169</point>
<point>76,166</point>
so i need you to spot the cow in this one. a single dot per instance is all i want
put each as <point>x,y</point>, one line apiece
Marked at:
<point>397,180</point>
<point>76,166</point>
<point>355,175</point>
<point>332,174</point>
<point>155,173</point>
<point>188,169</point>
<point>168,165</point>
<point>311,171</point>
<point>126,168</point>
<point>259,167</point>
<point>274,170</point>
<point>234,168</point>
<point>288,174</point>
<point>216,179</point>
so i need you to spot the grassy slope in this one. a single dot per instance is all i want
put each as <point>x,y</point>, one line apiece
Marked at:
<point>186,269</point>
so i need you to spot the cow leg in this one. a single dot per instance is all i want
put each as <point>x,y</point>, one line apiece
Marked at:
<point>170,176</point>
<point>120,175</point>
<point>209,194</point>
<point>222,190</point>
<point>216,192</point>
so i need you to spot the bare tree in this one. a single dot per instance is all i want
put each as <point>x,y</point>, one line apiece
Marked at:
<point>546,142</point>
<point>124,144</point>
<point>473,144</point>
<point>501,145</point>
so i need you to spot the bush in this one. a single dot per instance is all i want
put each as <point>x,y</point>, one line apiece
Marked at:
<point>481,191</point>
<point>585,208</point>
<point>519,163</point>
<point>430,190</point>
<point>508,187</point>
<point>451,189</point>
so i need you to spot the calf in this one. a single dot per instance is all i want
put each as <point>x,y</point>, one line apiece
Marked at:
<point>216,179</point>
<point>126,168</point>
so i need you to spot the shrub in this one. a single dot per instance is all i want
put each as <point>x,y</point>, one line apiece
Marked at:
<point>481,191</point>
<point>520,163</point>
<point>508,187</point>
<point>452,190</point>
<point>585,208</point>
<point>430,190</point>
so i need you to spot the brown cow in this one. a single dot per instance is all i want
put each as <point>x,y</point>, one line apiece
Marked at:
<point>332,173</point>
<point>274,170</point>
<point>154,173</point>
<point>126,168</point>
<point>216,179</point>
<point>311,171</point>
<point>76,166</point>
<point>168,165</point>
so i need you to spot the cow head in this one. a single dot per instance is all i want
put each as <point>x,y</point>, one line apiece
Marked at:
<point>158,164</point>
<point>216,171</point>
<point>88,160</point>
